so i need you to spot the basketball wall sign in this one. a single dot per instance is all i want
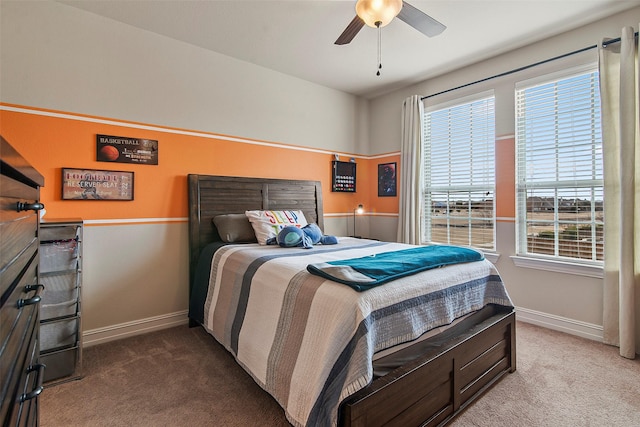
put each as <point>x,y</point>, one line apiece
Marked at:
<point>121,149</point>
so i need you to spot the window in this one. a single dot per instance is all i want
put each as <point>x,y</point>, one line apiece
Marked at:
<point>459,174</point>
<point>559,168</point>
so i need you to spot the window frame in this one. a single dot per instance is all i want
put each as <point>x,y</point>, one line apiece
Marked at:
<point>426,216</point>
<point>556,262</point>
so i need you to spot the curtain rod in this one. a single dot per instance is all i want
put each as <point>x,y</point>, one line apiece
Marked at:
<point>506,73</point>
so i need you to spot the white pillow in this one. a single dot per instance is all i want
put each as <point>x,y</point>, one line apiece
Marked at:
<point>267,224</point>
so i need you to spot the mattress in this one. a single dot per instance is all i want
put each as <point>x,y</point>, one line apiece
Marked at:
<point>310,342</point>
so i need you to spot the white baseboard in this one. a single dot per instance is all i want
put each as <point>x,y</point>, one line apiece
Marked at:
<point>562,324</point>
<point>156,323</point>
<point>136,327</point>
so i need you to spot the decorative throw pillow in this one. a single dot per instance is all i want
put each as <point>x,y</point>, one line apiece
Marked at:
<point>234,228</point>
<point>267,224</point>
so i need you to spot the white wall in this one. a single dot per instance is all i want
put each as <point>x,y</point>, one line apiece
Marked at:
<point>59,57</point>
<point>385,111</point>
<point>133,274</point>
<point>563,301</point>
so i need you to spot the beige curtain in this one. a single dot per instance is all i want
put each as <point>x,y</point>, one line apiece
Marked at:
<point>619,82</point>
<point>409,223</point>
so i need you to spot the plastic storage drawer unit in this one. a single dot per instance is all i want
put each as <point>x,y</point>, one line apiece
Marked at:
<point>60,314</point>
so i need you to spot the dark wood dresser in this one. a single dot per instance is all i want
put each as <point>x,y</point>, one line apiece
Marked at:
<point>21,375</point>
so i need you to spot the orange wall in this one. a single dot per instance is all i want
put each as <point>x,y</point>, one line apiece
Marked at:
<point>53,140</point>
<point>505,177</point>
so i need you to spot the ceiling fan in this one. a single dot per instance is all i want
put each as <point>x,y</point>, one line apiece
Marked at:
<point>378,13</point>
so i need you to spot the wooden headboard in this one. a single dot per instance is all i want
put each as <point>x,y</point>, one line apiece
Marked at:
<point>211,195</point>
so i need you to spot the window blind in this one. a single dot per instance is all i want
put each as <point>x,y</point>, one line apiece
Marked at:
<point>459,177</point>
<point>559,168</point>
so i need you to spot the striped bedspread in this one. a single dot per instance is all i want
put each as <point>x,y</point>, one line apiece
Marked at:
<point>309,341</point>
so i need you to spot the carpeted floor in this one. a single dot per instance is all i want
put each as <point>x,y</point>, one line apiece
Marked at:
<point>181,376</point>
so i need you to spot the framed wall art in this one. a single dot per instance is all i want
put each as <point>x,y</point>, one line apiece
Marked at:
<point>343,177</point>
<point>387,179</point>
<point>92,184</point>
<point>122,149</point>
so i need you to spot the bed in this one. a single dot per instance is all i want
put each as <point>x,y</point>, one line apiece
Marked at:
<point>422,375</point>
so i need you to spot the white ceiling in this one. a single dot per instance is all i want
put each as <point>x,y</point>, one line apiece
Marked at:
<point>297,37</point>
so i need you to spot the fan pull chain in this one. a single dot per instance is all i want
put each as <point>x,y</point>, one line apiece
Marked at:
<point>379,47</point>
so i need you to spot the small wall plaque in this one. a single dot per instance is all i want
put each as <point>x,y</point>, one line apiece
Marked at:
<point>91,184</point>
<point>121,149</point>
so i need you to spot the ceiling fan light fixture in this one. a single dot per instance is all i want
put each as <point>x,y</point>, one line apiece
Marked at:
<point>378,11</point>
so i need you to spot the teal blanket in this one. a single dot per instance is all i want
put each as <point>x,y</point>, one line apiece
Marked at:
<point>370,271</point>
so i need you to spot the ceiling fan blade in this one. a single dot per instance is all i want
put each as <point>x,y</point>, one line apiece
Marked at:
<point>350,32</point>
<point>420,20</point>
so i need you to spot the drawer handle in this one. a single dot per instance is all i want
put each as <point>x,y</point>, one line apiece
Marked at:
<point>40,367</point>
<point>29,206</point>
<point>34,299</point>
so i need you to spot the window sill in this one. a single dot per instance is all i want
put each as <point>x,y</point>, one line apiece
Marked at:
<point>492,257</point>
<point>558,266</point>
